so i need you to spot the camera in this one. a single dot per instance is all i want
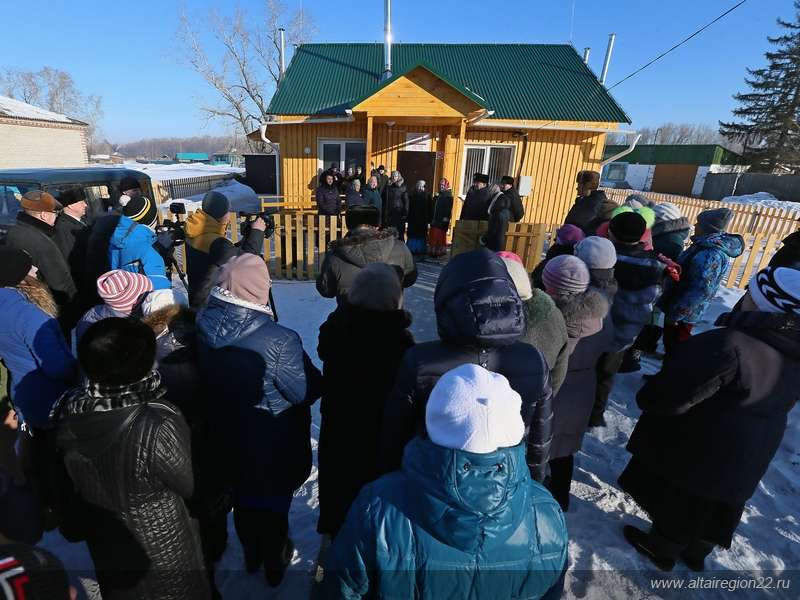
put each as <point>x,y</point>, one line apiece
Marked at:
<point>246,222</point>
<point>174,228</point>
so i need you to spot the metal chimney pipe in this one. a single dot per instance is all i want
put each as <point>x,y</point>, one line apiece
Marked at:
<point>608,58</point>
<point>282,57</point>
<point>586,55</point>
<point>387,40</point>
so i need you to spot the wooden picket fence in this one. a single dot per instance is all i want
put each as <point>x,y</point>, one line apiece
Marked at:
<point>166,189</point>
<point>526,240</point>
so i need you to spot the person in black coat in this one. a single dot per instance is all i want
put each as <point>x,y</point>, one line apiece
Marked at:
<point>516,208</point>
<point>395,213</point>
<point>712,420</point>
<point>441,213</point>
<point>97,262</point>
<point>72,238</point>
<point>367,335</point>
<point>591,208</point>
<point>499,216</point>
<point>480,320</point>
<point>476,204</point>
<point>129,453</point>
<point>419,215</point>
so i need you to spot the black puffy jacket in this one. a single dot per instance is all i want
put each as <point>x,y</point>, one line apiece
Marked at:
<point>480,320</point>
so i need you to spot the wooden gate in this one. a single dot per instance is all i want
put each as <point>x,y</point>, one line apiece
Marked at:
<point>526,240</point>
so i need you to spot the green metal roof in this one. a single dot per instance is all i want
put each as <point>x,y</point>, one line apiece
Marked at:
<point>191,156</point>
<point>517,81</point>
<point>680,154</point>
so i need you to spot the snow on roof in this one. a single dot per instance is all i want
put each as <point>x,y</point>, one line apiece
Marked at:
<point>21,110</point>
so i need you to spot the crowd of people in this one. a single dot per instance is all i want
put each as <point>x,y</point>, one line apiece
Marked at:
<point>136,419</point>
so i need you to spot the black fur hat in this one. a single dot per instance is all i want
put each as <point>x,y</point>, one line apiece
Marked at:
<point>117,351</point>
<point>362,214</point>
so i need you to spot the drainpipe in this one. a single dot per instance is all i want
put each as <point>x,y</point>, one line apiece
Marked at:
<point>387,40</point>
<point>484,115</point>
<point>265,139</point>
<point>611,38</point>
<point>586,55</point>
<point>263,126</point>
<point>282,58</point>
<point>633,137</point>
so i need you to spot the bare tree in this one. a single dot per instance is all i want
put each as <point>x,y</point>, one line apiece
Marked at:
<point>246,73</point>
<point>677,134</point>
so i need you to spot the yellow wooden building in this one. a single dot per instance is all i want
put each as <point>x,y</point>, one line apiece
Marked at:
<point>532,111</point>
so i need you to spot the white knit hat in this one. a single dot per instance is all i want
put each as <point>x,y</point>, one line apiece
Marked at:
<point>473,409</point>
<point>667,211</point>
<point>520,277</point>
<point>159,299</point>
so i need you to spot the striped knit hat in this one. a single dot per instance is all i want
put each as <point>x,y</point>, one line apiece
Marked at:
<point>123,291</point>
<point>139,208</point>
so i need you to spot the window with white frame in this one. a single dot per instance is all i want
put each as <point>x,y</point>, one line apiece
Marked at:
<point>347,153</point>
<point>615,172</point>
<point>495,161</point>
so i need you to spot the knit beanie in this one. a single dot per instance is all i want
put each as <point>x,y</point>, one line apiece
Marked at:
<point>472,409</point>
<point>15,264</point>
<point>521,279</point>
<point>32,573</point>
<point>139,208</point>
<point>628,226</point>
<point>596,252</point>
<point>129,183</point>
<point>216,204</point>
<point>776,289</point>
<point>638,201</point>
<point>566,274</point>
<point>511,255</point>
<point>715,221</point>
<point>39,201</point>
<point>569,235</point>
<point>667,211</point>
<point>123,291</point>
<point>356,183</point>
<point>246,277</point>
<point>377,286</point>
<point>117,351</point>
<point>158,299</point>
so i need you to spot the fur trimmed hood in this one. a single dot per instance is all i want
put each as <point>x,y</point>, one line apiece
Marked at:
<point>364,236</point>
<point>583,313</point>
<point>671,226</point>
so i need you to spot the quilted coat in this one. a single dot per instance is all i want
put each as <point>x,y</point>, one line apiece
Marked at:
<point>481,321</point>
<point>470,526</point>
<point>131,249</point>
<point>262,386</point>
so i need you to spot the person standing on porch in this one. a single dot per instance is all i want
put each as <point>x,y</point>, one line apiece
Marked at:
<point>440,219</point>
<point>419,215</point>
<point>476,204</point>
<point>396,197</point>
<point>507,187</point>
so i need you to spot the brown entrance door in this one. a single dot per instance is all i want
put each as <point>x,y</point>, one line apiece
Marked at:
<point>673,179</point>
<point>414,166</point>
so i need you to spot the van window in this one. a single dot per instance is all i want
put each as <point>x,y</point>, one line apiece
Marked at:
<point>10,196</point>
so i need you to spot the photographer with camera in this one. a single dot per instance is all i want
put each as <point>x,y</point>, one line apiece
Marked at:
<point>208,247</point>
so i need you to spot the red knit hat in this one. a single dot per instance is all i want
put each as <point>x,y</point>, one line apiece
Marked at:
<point>123,291</point>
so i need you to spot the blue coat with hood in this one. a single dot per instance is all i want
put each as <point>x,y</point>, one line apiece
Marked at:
<point>471,526</point>
<point>481,321</point>
<point>131,249</point>
<point>262,385</point>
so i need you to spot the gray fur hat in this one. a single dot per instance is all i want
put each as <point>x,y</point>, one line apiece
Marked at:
<point>596,252</point>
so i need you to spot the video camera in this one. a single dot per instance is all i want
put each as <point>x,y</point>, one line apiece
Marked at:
<point>175,228</point>
<point>246,221</point>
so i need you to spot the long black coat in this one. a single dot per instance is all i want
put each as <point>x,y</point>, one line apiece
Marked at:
<point>97,261</point>
<point>476,205</point>
<point>480,321</point>
<point>396,212</point>
<point>516,208</point>
<point>714,416</point>
<point>419,214</point>
<point>360,351</point>
<point>442,210</point>
<point>72,238</point>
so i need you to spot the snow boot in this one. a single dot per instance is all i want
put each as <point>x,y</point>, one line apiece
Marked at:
<point>275,566</point>
<point>694,555</point>
<point>245,520</point>
<point>659,549</point>
<point>631,361</point>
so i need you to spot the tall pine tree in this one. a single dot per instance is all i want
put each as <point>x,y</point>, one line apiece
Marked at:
<point>769,115</point>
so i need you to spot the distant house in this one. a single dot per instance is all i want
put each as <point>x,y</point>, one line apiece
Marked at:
<point>224,157</point>
<point>532,111</point>
<point>669,169</point>
<point>31,137</point>
<point>192,157</point>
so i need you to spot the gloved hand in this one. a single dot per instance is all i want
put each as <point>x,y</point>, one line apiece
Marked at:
<point>166,239</point>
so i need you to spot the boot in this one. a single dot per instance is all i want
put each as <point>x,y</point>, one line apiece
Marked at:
<point>245,520</point>
<point>276,547</point>
<point>659,550</point>
<point>694,555</point>
<point>631,361</point>
<point>275,566</point>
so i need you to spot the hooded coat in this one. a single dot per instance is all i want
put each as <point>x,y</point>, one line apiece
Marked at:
<point>329,201</point>
<point>131,249</point>
<point>207,249</point>
<point>476,205</point>
<point>359,248</point>
<point>669,237</point>
<point>481,321</point>
<point>546,330</point>
<point>261,408</point>
<point>451,524</point>
<point>589,212</point>
<point>397,206</point>
<point>590,333</point>
<point>495,236</point>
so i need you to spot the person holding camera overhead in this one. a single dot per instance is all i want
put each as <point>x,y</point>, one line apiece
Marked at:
<point>208,247</point>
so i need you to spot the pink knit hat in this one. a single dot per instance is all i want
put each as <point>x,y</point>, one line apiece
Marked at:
<point>123,291</point>
<point>246,277</point>
<point>510,256</point>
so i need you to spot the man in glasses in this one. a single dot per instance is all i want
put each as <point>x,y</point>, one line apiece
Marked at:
<point>33,233</point>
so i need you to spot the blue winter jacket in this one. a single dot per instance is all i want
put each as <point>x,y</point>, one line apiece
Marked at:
<point>452,524</point>
<point>706,268</point>
<point>36,355</point>
<point>262,385</point>
<point>131,249</point>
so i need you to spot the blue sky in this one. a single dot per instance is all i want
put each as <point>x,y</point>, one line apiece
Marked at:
<point>116,49</point>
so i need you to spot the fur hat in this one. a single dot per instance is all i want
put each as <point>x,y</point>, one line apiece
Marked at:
<point>123,291</point>
<point>216,204</point>
<point>566,274</point>
<point>569,235</point>
<point>129,183</point>
<point>378,286</point>
<point>505,254</point>
<point>40,201</point>
<point>139,208</point>
<point>246,277</point>
<point>482,178</point>
<point>32,573</point>
<point>117,351</point>
<point>507,179</point>
<point>71,195</point>
<point>628,227</point>
<point>158,299</point>
<point>667,211</point>
<point>715,221</point>
<point>520,276</point>
<point>596,252</point>
<point>472,409</point>
<point>397,174</point>
<point>776,289</point>
<point>381,168</point>
<point>15,264</point>
<point>362,214</point>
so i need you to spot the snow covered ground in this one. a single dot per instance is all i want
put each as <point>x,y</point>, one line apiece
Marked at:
<point>602,564</point>
<point>762,199</point>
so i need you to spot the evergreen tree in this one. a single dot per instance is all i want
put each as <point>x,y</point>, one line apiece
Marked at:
<point>769,114</point>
